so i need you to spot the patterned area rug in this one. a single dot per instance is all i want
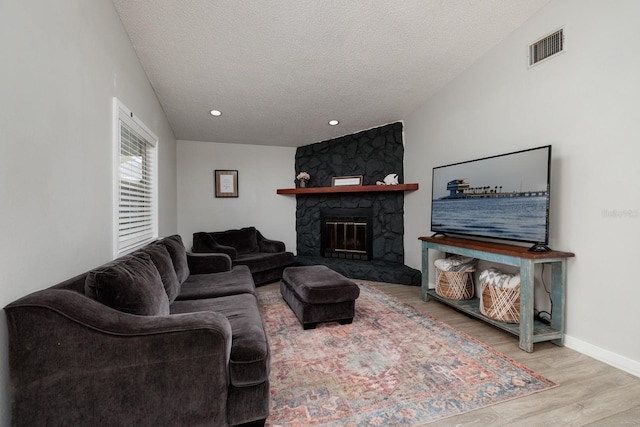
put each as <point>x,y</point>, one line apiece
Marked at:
<point>394,366</point>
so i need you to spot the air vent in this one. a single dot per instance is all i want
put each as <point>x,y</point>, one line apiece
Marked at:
<point>547,47</point>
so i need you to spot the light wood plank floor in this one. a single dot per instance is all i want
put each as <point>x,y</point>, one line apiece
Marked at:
<point>590,393</point>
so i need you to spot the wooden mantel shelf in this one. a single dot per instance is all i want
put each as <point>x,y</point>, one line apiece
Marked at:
<point>348,189</point>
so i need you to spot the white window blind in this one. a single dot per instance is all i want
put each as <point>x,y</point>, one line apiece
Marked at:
<point>136,183</point>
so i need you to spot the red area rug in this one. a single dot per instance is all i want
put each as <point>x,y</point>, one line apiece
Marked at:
<point>394,366</point>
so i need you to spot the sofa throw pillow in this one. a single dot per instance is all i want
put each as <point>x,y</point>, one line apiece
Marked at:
<point>130,284</point>
<point>244,240</point>
<point>178,255</point>
<point>162,260</point>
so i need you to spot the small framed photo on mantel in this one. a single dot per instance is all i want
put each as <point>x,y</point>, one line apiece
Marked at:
<point>340,181</point>
<point>226,183</point>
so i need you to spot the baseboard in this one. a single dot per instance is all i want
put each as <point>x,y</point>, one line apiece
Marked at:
<point>605,356</point>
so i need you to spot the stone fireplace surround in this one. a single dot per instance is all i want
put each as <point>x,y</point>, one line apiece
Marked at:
<point>373,154</point>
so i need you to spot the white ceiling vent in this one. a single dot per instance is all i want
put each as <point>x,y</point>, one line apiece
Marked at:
<point>547,47</point>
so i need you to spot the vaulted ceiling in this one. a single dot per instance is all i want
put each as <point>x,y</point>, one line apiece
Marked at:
<point>278,71</point>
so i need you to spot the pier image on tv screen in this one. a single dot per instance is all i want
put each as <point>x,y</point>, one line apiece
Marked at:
<point>502,197</point>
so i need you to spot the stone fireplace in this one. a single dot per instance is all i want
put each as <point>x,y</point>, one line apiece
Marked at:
<point>386,226</point>
<point>373,154</point>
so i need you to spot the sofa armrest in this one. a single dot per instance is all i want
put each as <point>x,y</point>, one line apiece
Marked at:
<point>268,245</point>
<point>73,360</point>
<point>205,243</point>
<point>208,263</point>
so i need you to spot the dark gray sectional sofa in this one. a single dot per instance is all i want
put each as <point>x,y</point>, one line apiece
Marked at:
<point>156,337</point>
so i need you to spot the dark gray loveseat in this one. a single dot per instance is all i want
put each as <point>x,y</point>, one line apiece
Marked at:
<point>157,337</point>
<point>266,258</point>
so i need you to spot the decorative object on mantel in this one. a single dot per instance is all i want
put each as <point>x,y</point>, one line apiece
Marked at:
<point>303,177</point>
<point>391,179</point>
<point>226,182</point>
<point>339,181</point>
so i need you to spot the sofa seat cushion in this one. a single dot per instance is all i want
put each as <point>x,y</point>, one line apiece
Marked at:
<point>263,261</point>
<point>250,358</point>
<point>131,284</point>
<point>201,286</point>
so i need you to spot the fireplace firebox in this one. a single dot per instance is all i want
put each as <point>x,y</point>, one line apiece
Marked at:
<point>346,233</point>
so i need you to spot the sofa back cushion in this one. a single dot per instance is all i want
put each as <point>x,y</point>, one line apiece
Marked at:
<point>244,240</point>
<point>162,260</point>
<point>131,284</point>
<point>178,255</point>
<point>205,243</point>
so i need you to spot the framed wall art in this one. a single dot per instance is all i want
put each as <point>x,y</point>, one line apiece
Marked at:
<point>339,181</point>
<point>226,183</point>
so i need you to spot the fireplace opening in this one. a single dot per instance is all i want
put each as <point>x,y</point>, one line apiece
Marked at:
<point>346,233</point>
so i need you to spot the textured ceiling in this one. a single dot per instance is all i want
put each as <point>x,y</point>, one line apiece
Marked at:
<point>279,71</point>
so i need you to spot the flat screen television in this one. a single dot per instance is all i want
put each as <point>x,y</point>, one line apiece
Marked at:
<point>502,197</point>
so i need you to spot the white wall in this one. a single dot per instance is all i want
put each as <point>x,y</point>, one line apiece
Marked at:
<point>261,171</point>
<point>62,62</point>
<point>585,103</point>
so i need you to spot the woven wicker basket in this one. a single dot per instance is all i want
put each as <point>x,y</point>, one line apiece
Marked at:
<point>501,304</point>
<point>456,285</point>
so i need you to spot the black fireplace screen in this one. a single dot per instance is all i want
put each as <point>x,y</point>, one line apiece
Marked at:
<point>346,233</point>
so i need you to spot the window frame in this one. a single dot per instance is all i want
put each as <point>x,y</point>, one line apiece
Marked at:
<point>122,114</point>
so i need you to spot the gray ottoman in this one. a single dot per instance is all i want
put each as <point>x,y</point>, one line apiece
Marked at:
<point>318,294</point>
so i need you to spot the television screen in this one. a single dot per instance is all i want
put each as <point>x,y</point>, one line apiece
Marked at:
<point>502,197</point>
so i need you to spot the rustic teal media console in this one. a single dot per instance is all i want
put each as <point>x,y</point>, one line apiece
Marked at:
<point>529,329</point>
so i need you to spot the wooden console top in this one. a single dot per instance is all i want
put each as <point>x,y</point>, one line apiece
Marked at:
<point>497,248</point>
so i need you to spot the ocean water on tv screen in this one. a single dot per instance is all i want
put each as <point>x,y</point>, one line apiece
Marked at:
<point>513,218</point>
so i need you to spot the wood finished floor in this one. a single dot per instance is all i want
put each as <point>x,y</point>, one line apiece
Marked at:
<point>589,392</point>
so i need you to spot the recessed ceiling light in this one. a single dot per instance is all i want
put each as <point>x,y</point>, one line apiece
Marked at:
<point>333,122</point>
<point>215,113</point>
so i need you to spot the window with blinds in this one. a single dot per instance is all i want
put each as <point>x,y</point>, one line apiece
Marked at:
<point>136,212</point>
